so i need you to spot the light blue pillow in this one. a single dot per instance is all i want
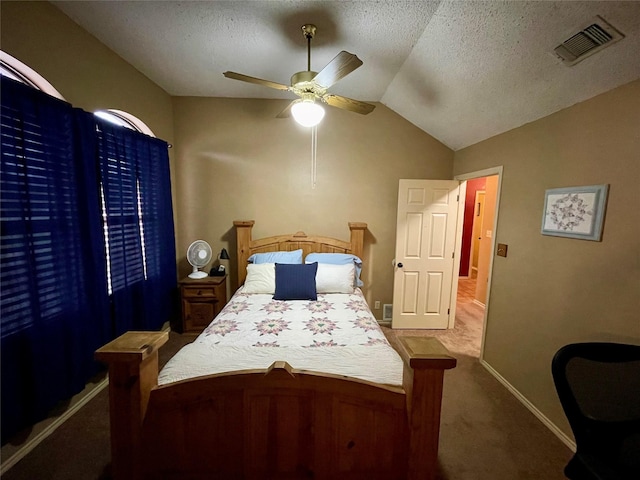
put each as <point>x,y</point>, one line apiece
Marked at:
<point>295,256</point>
<point>337,259</point>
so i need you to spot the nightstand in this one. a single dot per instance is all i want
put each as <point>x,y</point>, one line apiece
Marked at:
<point>202,300</point>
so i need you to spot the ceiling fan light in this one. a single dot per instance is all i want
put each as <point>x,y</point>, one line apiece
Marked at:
<point>307,113</point>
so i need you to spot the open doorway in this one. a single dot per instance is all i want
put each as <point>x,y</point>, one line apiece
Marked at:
<point>480,210</point>
<point>466,310</point>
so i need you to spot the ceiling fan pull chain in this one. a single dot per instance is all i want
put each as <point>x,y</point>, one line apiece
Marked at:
<point>314,150</point>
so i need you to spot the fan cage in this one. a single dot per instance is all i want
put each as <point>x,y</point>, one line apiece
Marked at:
<point>196,260</point>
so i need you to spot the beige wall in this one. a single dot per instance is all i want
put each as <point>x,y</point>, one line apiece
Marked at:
<point>236,161</point>
<point>551,291</point>
<point>87,73</point>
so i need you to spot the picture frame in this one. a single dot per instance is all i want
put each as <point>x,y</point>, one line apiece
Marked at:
<point>575,212</point>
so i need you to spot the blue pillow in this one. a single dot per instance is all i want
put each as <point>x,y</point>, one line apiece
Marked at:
<point>337,259</point>
<point>294,256</point>
<point>296,282</point>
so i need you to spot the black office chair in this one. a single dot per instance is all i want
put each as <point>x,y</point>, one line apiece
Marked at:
<point>599,389</point>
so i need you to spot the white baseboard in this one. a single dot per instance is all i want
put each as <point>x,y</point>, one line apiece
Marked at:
<point>531,407</point>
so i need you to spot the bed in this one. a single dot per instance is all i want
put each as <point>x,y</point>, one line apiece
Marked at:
<point>307,388</point>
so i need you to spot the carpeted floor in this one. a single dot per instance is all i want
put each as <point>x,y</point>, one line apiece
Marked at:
<point>486,434</point>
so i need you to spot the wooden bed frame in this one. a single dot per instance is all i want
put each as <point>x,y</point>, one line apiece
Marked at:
<point>278,423</point>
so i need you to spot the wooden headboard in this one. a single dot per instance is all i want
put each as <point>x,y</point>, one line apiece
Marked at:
<point>246,246</point>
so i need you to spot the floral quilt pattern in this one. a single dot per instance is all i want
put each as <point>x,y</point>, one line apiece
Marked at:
<point>258,320</point>
<point>336,334</point>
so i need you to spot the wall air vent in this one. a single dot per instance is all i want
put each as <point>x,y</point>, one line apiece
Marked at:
<point>595,36</point>
<point>387,312</point>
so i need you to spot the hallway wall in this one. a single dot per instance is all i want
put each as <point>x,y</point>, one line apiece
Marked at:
<point>551,291</point>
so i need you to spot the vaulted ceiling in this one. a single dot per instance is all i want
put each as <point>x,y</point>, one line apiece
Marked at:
<point>463,71</point>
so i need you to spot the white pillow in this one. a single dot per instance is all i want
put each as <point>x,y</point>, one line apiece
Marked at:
<point>335,278</point>
<point>261,278</point>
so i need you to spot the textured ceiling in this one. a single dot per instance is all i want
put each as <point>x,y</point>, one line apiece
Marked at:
<point>463,71</point>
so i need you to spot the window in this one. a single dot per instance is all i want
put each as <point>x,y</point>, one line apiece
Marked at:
<point>132,222</point>
<point>13,68</point>
<point>124,119</point>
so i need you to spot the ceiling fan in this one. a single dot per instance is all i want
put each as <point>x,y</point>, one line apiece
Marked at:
<point>311,86</point>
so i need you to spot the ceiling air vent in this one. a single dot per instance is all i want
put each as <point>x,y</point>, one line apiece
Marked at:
<point>597,35</point>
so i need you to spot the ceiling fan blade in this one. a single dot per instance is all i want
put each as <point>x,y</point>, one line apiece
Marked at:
<point>348,104</point>
<point>342,65</point>
<point>286,113</point>
<point>257,81</point>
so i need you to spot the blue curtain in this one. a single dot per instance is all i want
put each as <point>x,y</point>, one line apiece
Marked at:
<point>137,196</point>
<point>52,258</point>
<point>159,234</point>
<point>55,303</point>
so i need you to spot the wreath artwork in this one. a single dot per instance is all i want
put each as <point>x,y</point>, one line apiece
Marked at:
<point>570,212</point>
<point>575,212</point>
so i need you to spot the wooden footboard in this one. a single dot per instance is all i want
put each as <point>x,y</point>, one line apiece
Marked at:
<point>274,423</point>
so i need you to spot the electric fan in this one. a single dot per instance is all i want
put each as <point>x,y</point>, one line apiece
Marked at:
<point>198,254</point>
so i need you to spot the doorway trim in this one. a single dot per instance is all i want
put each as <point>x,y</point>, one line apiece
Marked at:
<point>487,172</point>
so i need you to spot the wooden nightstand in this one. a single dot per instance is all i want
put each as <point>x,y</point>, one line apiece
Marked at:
<point>202,300</point>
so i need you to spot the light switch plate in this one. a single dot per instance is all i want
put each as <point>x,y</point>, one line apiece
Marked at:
<point>502,249</point>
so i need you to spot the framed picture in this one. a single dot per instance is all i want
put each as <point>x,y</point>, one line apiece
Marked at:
<point>575,212</point>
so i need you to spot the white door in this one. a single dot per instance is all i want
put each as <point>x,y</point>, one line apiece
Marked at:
<point>424,263</point>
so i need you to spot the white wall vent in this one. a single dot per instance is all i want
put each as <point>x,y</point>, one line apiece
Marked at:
<point>595,36</point>
<point>387,312</point>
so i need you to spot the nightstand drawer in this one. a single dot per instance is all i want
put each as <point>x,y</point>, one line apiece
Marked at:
<point>202,300</point>
<point>198,292</point>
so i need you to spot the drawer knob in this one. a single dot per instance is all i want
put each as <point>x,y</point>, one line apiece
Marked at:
<point>199,292</point>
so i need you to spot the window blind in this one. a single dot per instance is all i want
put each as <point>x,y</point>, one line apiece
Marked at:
<point>119,176</point>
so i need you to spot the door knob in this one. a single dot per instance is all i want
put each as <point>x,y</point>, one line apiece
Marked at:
<point>400,265</point>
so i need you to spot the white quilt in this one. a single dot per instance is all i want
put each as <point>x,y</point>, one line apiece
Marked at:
<point>336,334</point>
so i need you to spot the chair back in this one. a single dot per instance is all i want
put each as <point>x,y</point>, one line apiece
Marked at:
<point>599,388</point>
